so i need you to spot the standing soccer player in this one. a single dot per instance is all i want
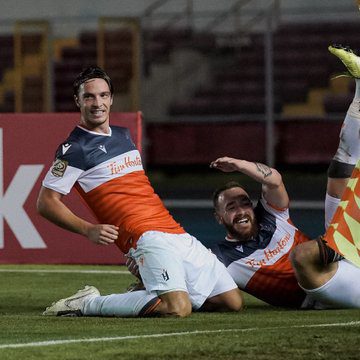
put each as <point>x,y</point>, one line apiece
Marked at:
<point>102,163</point>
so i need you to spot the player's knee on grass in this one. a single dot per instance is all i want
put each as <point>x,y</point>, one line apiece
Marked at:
<point>229,301</point>
<point>175,303</point>
<point>236,302</point>
<point>232,300</point>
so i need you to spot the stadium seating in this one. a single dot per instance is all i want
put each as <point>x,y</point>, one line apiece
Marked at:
<point>73,59</point>
<point>6,53</point>
<point>298,65</point>
<point>7,103</point>
<point>298,142</point>
<point>337,103</point>
<point>32,81</point>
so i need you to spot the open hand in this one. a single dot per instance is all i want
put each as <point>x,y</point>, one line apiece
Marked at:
<point>103,234</point>
<point>226,164</point>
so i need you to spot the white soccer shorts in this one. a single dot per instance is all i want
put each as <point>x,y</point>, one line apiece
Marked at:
<point>342,290</point>
<point>179,262</point>
<point>348,151</point>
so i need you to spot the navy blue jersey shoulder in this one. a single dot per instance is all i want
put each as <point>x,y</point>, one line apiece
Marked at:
<point>84,150</point>
<point>228,251</point>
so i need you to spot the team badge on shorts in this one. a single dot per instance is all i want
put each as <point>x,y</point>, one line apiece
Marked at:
<point>165,275</point>
<point>59,167</point>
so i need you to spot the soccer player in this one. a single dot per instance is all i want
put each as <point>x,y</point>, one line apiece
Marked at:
<point>335,283</point>
<point>348,152</point>
<point>258,239</point>
<point>103,164</point>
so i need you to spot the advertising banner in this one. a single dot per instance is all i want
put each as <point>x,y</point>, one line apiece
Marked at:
<point>27,147</point>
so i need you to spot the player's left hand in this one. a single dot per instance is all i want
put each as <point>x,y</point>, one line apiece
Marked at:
<point>103,234</point>
<point>132,266</point>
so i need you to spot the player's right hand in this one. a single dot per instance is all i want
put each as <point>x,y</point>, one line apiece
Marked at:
<point>132,266</point>
<point>225,164</point>
<point>103,234</point>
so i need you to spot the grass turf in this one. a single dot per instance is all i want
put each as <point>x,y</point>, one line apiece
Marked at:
<point>259,332</point>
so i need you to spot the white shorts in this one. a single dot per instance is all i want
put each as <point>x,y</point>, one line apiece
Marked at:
<point>341,291</point>
<point>179,262</point>
<point>348,151</point>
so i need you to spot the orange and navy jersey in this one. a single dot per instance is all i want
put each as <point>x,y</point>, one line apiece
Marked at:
<point>261,266</point>
<point>107,171</point>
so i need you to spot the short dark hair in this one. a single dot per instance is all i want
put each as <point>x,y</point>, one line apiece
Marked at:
<point>227,186</point>
<point>91,72</point>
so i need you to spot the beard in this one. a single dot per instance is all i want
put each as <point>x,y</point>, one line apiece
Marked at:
<point>245,234</point>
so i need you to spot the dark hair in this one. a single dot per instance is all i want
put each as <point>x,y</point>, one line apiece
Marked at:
<point>218,191</point>
<point>91,72</point>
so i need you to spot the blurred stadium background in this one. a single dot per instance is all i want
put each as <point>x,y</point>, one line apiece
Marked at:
<point>249,79</point>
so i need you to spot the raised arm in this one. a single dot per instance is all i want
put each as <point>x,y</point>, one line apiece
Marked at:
<point>273,187</point>
<point>51,207</point>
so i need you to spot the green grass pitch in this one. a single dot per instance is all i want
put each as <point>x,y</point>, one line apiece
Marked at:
<point>259,332</point>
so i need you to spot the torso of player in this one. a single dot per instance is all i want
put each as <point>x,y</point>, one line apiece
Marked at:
<point>107,171</point>
<point>261,266</point>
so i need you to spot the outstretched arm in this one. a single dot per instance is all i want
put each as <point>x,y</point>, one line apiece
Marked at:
<point>50,206</point>
<point>273,187</point>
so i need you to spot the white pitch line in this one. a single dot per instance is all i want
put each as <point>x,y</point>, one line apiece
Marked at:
<point>60,271</point>
<point>161,335</point>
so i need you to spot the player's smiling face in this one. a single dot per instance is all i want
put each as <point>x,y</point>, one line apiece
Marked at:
<point>236,213</point>
<point>94,101</point>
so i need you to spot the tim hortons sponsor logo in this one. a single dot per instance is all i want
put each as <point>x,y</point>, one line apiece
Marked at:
<point>117,167</point>
<point>270,253</point>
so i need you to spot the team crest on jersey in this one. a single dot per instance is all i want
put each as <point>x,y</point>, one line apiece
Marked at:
<point>103,148</point>
<point>65,148</point>
<point>59,167</point>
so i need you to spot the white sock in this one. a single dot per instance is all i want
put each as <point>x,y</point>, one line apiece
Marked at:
<point>123,305</point>
<point>331,203</point>
<point>354,108</point>
<point>357,89</point>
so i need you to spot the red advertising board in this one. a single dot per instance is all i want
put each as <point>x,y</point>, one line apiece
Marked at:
<point>27,147</point>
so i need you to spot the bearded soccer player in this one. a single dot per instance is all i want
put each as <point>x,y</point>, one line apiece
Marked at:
<point>258,239</point>
<point>101,161</point>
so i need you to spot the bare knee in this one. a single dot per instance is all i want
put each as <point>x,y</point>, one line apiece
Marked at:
<point>175,303</point>
<point>236,306</point>
<point>179,308</point>
<point>309,271</point>
<point>229,301</point>
<point>304,255</point>
<point>235,301</point>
